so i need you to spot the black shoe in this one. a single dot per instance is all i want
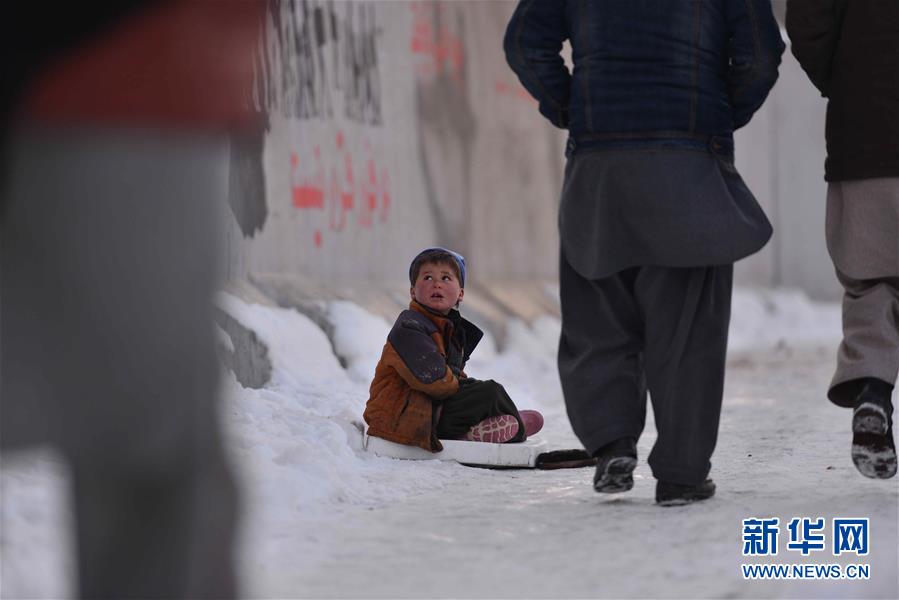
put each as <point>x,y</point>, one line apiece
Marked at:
<point>615,466</point>
<point>873,448</point>
<point>676,494</point>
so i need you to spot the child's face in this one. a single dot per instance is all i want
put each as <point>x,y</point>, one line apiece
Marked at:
<point>437,287</point>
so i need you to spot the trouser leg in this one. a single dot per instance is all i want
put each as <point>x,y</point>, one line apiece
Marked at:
<point>687,313</point>
<point>600,362</point>
<point>475,401</point>
<point>109,261</point>
<point>870,345</point>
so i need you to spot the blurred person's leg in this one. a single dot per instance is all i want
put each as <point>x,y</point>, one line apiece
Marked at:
<point>687,314</point>
<point>109,260</point>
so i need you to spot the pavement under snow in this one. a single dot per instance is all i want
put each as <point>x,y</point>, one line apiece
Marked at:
<point>323,519</point>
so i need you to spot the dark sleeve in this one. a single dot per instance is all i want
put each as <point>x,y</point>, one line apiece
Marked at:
<point>814,29</point>
<point>754,55</point>
<point>533,43</point>
<point>423,366</point>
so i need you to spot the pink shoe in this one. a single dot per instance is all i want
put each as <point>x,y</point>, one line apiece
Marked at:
<point>533,421</point>
<point>496,430</point>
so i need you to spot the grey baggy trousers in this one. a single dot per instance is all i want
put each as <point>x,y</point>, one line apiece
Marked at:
<point>109,259</point>
<point>863,241</point>
<point>660,328</point>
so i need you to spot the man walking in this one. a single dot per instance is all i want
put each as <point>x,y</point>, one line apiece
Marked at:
<point>653,214</point>
<point>850,51</point>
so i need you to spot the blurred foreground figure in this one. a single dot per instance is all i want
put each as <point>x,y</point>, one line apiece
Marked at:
<point>116,139</point>
<point>653,214</point>
<point>850,51</point>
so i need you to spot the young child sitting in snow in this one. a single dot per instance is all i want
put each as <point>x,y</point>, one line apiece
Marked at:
<point>420,393</point>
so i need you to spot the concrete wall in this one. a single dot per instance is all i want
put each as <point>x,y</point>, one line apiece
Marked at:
<point>395,126</point>
<point>398,125</point>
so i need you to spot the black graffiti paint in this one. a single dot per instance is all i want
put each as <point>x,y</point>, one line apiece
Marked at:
<point>362,95</point>
<point>314,52</point>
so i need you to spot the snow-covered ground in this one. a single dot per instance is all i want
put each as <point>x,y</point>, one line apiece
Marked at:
<point>323,519</point>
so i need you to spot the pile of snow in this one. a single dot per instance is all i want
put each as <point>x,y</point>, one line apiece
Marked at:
<point>358,338</point>
<point>301,354</point>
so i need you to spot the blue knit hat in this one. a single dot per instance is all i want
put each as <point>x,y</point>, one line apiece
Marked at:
<point>437,253</point>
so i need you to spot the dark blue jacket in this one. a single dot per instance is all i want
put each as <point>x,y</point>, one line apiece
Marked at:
<point>647,72</point>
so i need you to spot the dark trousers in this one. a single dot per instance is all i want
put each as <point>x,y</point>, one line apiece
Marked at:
<point>475,401</point>
<point>659,328</point>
